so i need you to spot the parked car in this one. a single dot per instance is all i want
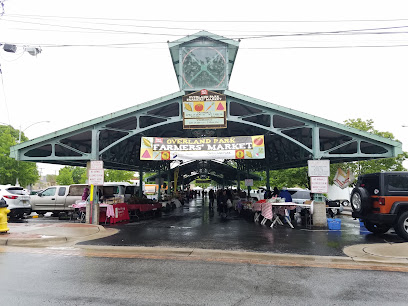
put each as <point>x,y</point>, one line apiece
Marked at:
<point>380,200</point>
<point>34,192</point>
<point>56,199</point>
<point>17,200</point>
<point>300,196</point>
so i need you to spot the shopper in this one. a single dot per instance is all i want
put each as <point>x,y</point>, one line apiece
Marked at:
<point>223,204</point>
<point>211,197</point>
<point>285,194</point>
<point>275,192</point>
<point>85,194</point>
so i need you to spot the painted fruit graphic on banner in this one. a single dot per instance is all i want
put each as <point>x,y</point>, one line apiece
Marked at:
<point>239,154</point>
<point>258,140</point>
<point>198,107</point>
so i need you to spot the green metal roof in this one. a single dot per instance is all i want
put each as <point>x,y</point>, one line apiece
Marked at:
<point>291,137</point>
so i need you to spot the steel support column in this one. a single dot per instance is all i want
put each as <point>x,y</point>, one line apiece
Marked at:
<point>159,189</point>
<point>141,181</point>
<point>169,182</point>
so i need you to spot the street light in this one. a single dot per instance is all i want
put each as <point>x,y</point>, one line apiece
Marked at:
<point>19,138</point>
<point>21,131</point>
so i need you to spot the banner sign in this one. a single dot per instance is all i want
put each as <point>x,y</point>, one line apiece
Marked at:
<point>240,147</point>
<point>204,110</point>
<point>343,179</point>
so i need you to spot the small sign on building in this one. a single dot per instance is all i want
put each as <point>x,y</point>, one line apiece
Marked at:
<point>319,184</point>
<point>96,177</point>
<point>319,167</point>
<point>249,182</point>
<point>204,109</point>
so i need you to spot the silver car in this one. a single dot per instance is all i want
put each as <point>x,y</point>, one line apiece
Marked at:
<point>17,199</point>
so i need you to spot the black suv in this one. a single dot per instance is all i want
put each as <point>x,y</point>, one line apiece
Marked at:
<point>380,200</point>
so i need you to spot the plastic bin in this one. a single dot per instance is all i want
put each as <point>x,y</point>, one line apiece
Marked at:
<point>334,224</point>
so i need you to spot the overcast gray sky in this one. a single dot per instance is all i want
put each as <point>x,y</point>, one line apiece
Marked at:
<point>103,56</point>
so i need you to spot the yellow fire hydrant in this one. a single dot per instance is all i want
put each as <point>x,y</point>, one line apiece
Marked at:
<point>3,216</point>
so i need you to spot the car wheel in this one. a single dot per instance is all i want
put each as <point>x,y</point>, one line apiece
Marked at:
<point>360,200</point>
<point>376,228</point>
<point>401,228</point>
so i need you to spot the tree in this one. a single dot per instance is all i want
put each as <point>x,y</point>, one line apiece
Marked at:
<point>52,179</point>
<point>65,176</point>
<point>11,169</point>
<point>374,165</point>
<point>79,175</point>
<point>298,177</point>
<point>118,175</point>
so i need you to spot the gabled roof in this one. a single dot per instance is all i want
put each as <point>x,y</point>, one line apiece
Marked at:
<point>291,137</point>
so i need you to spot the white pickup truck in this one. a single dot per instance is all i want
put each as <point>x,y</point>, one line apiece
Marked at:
<point>56,199</point>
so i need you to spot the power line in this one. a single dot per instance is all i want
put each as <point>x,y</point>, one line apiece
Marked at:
<point>145,45</point>
<point>360,31</point>
<point>325,47</point>
<point>121,25</point>
<point>214,21</point>
<point>85,28</point>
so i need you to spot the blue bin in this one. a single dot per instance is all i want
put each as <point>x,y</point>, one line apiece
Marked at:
<point>334,224</point>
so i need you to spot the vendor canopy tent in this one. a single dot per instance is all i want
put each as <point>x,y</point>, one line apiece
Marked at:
<point>204,59</point>
<point>217,171</point>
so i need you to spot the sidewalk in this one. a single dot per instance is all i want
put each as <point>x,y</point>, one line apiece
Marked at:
<point>68,234</point>
<point>49,234</point>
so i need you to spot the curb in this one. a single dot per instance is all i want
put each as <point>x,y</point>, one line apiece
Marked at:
<point>211,255</point>
<point>44,240</point>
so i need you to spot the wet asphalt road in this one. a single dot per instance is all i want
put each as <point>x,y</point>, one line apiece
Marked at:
<point>44,279</point>
<point>194,226</point>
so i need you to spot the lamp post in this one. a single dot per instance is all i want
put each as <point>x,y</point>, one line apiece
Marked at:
<point>21,131</point>
<point>19,138</point>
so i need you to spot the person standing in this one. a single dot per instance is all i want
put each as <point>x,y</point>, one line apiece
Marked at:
<point>223,204</point>
<point>285,194</point>
<point>275,192</point>
<point>85,194</point>
<point>211,197</point>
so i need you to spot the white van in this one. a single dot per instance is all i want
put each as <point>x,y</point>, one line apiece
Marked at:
<point>17,199</point>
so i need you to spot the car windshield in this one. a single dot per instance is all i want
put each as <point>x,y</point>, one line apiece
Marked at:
<point>16,190</point>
